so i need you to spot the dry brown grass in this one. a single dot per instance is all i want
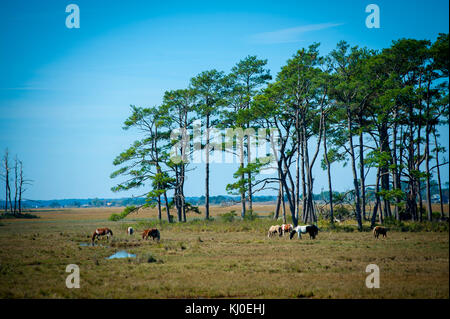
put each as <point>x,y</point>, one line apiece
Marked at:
<point>215,260</point>
<point>104,212</point>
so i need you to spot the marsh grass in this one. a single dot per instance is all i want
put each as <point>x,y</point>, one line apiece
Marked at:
<point>218,259</point>
<point>17,216</point>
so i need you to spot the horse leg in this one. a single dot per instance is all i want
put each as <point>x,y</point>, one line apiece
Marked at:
<point>95,235</point>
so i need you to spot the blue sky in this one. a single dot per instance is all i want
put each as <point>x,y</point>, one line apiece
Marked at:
<point>64,93</point>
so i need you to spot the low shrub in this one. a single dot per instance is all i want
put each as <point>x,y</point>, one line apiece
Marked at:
<point>116,217</point>
<point>228,217</point>
<point>18,215</point>
<point>250,215</point>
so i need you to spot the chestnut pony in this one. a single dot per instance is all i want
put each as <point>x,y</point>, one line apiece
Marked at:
<point>152,232</point>
<point>379,230</point>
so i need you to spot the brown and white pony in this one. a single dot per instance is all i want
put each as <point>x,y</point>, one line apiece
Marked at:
<point>152,232</point>
<point>286,228</point>
<point>379,230</point>
<point>102,232</point>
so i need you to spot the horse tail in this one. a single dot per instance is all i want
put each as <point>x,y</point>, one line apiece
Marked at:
<point>93,235</point>
<point>110,231</point>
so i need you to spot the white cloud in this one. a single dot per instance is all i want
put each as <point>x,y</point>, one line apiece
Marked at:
<point>290,34</point>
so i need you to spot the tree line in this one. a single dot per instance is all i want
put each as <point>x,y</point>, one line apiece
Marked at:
<point>375,110</point>
<point>15,184</point>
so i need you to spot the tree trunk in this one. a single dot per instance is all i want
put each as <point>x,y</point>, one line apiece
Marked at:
<point>159,208</point>
<point>307,199</point>
<point>6,159</point>
<point>158,170</point>
<point>207,170</point>
<point>411,204</point>
<point>377,202</point>
<point>177,195</point>
<point>277,209</point>
<point>167,207</point>
<point>438,174</point>
<point>283,207</point>
<point>384,148</point>
<point>361,174</point>
<point>20,187</point>
<point>355,175</point>
<point>395,173</point>
<point>297,164</point>
<point>328,173</point>
<point>15,185</point>
<point>181,192</point>
<point>427,168</point>
<point>427,155</point>
<point>241,155</point>
<point>249,192</point>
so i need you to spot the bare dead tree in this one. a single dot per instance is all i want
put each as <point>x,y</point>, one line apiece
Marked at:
<point>15,183</point>
<point>6,177</point>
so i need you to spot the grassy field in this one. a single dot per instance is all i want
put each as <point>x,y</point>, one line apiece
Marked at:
<point>214,259</point>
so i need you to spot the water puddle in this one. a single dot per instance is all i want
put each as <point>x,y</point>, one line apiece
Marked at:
<point>121,254</point>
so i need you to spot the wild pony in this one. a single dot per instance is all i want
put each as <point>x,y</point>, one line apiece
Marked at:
<point>130,230</point>
<point>152,232</point>
<point>101,232</point>
<point>379,230</point>
<point>312,230</point>
<point>286,228</point>
<point>276,229</point>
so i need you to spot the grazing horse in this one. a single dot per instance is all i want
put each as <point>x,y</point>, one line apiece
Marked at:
<point>130,231</point>
<point>379,230</point>
<point>286,228</point>
<point>101,232</point>
<point>274,230</point>
<point>153,232</point>
<point>312,230</point>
